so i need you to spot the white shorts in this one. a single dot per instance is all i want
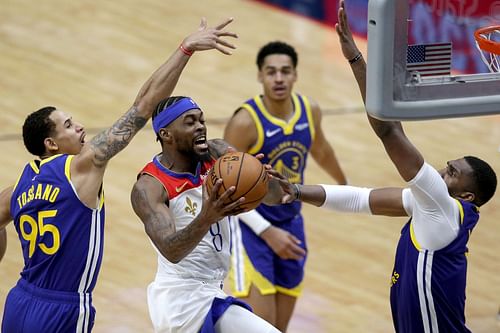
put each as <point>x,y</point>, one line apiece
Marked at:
<point>180,306</point>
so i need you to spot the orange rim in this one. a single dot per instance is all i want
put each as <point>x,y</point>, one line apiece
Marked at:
<point>486,44</point>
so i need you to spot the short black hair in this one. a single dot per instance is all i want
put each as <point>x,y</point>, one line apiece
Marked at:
<point>163,105</point>
<point>484,178</point>
<point>277,47</point>
<point>36,128</point>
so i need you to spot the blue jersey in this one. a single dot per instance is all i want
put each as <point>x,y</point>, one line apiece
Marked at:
<point>285,146</point>
<point>428,287</point>
<point>61,238</point>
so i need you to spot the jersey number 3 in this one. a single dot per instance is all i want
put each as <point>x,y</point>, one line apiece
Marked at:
<point>37,228</point>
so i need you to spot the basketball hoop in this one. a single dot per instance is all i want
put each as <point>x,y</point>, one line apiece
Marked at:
<point>488,44</point>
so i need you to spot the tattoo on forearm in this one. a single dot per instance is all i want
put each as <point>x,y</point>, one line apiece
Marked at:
<point>111,141</point>
<point>218,147</point>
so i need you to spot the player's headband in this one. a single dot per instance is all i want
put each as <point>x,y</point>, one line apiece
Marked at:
<point>172,112</point>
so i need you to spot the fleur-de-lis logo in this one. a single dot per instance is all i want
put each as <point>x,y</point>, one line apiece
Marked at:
<point>191,206</point>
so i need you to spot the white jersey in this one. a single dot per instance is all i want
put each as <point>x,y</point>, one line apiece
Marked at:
<point>209,260</point>
<point>182,293</point>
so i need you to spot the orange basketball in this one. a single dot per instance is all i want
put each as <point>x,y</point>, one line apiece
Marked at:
<point>243,171</point>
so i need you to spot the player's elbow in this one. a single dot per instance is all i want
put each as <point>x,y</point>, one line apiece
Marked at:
<point>388,129</point>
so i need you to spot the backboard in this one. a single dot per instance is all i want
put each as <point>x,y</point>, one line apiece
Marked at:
<point>405,35</point>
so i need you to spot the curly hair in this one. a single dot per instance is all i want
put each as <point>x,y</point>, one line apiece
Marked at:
<point>36,128</point>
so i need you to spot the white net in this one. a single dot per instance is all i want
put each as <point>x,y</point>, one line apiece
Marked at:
<point>484,41</point>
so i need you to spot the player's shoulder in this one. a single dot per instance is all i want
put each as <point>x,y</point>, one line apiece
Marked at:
<point>149,185</point>
<point>242,120</point>
<point>311,101</point>
<point>217,147</point>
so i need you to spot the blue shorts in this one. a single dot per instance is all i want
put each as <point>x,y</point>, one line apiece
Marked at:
<point>254,262</point>
<point>31,309</point>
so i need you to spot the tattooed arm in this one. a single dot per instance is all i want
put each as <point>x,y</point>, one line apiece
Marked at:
<point>219,147</point>
<point>87,168</point>
<point>149,202</point>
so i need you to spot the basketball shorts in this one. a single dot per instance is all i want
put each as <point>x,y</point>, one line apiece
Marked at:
<point>32,309</point>
<point>231,315</point>
<point>254,262</point>
<point>188,305</point>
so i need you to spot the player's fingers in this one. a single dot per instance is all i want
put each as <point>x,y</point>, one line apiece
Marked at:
<point>237,210</point>
<point>226,34</point>
<point>259,156</point>
<point>227,193</point>
<point>224,23</point>
<point>277,175</point>
<point>298,252</point>
<point>294,239</point>
<point>287,198</point>
<point>203,24</point>
<point>295,254</point>
<point>225,43</point>
<point>215,190</point>
<point>234,208</point>
<point>223,50</point>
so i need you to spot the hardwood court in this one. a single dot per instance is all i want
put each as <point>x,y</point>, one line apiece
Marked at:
<point>90,58</point>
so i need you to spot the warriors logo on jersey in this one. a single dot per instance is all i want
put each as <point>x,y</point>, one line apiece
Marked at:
<point>285,146</point>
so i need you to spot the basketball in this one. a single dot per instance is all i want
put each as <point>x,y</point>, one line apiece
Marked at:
<point>243,171</point>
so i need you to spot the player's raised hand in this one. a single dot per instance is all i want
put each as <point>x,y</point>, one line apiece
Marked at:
<point>208,38</point>
<point>216,207</point>
<point>349,48</point>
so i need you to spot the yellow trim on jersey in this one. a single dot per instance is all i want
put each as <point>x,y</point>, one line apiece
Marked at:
<point>260,131</point>
<point>414,238</point>
<point>33,166</point>
<point>461,211</point>
<point>310,119</point>
<point>17,182</point>
<point>48,159</point>
<point>101,199</point>
<point>67,167</point>
<point>286,126</point>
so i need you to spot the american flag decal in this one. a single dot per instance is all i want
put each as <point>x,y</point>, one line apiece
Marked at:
<point>429,59</point>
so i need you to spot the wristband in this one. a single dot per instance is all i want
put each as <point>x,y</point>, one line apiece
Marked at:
<point>297,191</point>
<point>185,51</point>
<point>356,58</point>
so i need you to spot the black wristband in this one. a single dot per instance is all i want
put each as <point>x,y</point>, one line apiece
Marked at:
<point>356,58</point>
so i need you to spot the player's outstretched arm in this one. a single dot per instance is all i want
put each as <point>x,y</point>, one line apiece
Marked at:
<point>159,86</point>
<point>401,151</point>
<point>87,168</point>
<point>342,198</point>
